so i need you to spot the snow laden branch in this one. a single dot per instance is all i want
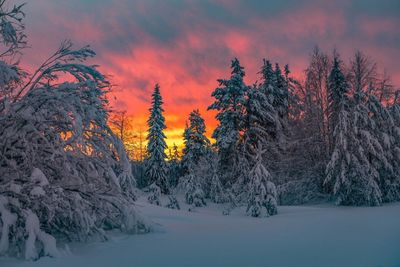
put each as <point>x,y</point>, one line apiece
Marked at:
<point>65,60</point>
<point>12,35</point>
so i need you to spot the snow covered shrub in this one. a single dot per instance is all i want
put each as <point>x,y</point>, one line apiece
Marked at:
<point>173,203</point>
<point>194,194</point>
<point>217,193</point>
<point>301,191</point>
<point>262,192</point>
<point>155,194</point>
<point>196,197</point>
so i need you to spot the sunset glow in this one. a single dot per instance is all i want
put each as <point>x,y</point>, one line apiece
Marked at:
<point>186,45</point>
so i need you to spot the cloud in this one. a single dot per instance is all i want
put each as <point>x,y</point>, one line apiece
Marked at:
<point>185,45</point>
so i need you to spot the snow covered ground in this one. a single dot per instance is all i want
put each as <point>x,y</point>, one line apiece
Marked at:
<point>297,236</point>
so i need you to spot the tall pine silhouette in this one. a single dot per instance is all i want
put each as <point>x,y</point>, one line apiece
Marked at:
<point>156,167</point>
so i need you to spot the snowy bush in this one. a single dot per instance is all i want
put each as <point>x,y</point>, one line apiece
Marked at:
<point>217,193</point>
<point>155,194</point>
<point>172,203</point>
<point>302,191</point>
<point>194,194</point>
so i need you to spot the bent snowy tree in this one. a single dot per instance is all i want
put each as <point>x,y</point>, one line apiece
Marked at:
<point>63,174</point>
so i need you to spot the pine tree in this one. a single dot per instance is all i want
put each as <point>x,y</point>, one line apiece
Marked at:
<point>217,193</point>
<point>156,168</point>
<point>194,194</point>
<point>230,100</point>
<point>186,160</point>
<point>351,174</point>
<point>197,144</point>
<point>174,166</point>
<point>269,78</point>
<point>268,117</point>
<point>262,199</point>
<point>267,105</point>
<point>337,91</point>
<point>281,102</point>
<point>383,156</point>
<point>395,148</point>
<point>275,85</point>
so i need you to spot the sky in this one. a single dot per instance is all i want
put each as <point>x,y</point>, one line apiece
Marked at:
<point>186,45</point>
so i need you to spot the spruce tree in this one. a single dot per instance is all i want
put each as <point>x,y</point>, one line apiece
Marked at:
<point>268,76</point>
<point>155,166</point>
<point>385,146</point>
<point>395,145</point>
<point>194,194</point>
<point>337,91</point>
<point>230,100</point>
<point>217,193</point>
<point>351,173</point>
<point>262,199</point>
<point>281,92</point>
<point>174,166</point>
<point>197,144</point>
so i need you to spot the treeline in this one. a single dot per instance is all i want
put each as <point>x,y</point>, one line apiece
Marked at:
<point>334,136</point>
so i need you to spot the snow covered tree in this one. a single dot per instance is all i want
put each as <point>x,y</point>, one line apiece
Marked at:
<point>62,131</point>
<point>337,91</point>
<point>58,158</point>
<point>156,168</point>
<point>275,86</point>
<point>384,158</point>
<point>268,116</point>
<point>194,194</point>
<point>196,142</point>
<point>267,109</point>
<point>394,189</point>
<point>217,193</point>
<point>350,174</point>
<point>174,166</point>
<point>230,99</point>
<point>281,96</point>
<point>262,199</point>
